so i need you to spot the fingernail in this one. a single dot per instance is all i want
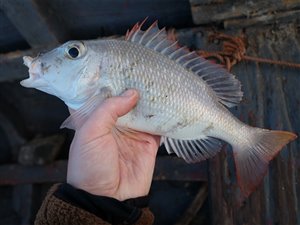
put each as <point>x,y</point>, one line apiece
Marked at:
<point>128,93</point>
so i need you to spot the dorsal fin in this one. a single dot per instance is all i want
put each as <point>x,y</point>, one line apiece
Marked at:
<point>224,84</point>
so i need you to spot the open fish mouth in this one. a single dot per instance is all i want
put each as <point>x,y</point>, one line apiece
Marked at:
<point>35,79</point>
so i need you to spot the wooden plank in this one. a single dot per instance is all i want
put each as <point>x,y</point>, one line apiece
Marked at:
<point>220,11</point>
<point>31,23</point>
<point>287,16</point>
<point>74,19</point>
<point>167,168</point>
<point>41,150</point>
<point>206,2</point>
<point>94,18</point>
<point>15,139</point>
<point>11,64</point>
<point>194,207</point>
<point>23,202</point>
<point>209,13</point>
<point>271,100</point>
<point>176,169</point>
<point>10,38</point>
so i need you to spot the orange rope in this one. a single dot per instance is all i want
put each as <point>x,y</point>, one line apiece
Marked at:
<point>234,51</point>
<point>270,61</point>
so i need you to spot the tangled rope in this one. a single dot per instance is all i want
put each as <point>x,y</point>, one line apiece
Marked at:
<point>234,51</point>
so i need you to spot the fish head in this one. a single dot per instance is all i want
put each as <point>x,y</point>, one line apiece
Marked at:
<point>67,72</point>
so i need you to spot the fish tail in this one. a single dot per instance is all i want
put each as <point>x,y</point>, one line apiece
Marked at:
<point>252,156</point>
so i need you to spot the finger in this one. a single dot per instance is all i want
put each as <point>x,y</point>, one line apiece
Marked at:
<point>157,139</point>
<point>108,112</point>
<point>119,106</point>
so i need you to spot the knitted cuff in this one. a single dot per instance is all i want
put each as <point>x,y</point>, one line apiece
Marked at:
<point>106,208</point>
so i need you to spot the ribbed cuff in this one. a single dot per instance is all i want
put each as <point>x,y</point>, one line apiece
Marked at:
<point>108,209</point>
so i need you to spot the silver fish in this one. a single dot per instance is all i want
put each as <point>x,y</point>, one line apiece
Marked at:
<point>183,97</point>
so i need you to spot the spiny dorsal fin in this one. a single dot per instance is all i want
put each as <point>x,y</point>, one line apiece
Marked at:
<point>226,87</point>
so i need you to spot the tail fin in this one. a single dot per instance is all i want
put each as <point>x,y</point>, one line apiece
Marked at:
<point>252,159</point>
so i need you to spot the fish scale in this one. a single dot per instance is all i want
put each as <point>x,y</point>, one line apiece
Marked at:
<point>183,97</point>
<point>154,95</point>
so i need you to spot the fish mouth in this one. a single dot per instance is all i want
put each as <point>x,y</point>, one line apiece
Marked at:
<point>35,79</point>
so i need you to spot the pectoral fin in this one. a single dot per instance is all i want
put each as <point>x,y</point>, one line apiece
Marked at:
<point>78,117</point>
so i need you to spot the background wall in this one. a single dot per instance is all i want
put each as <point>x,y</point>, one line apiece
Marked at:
<point>33,151</point>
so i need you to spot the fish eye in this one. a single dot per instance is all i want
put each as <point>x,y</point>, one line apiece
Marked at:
<point>75,49</point>
<point>73,52</point>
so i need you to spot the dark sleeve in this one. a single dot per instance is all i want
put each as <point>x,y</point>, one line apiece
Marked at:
<point>65,204</point>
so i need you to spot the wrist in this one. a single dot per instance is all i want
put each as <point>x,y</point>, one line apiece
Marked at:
<point>111,190</point>
<point>94,189</point>
<point>109,209</point>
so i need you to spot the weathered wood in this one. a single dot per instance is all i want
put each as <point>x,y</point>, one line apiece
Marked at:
<point>221,11</point>
<point>218,191</point>
<point>271,100</point>
<point>41,150</point>
<point>167,168</point>
<point>14,137</point>
<point>173,168</point>
<point>11,64</point>
<point>23,202</point>
<point>74,19</point>
<point>285,17</point>
<point>205,2</point>
<point>31,23</point>
<point>10,38</point>
<point>194,207</point>
<point>96,18</point>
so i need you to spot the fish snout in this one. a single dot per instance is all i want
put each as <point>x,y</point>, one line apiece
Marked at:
<point>36,71</point>
<point>27,60</point>
<point>35,68</point>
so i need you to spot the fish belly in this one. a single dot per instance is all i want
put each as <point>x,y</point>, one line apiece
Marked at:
<point>199,122</point>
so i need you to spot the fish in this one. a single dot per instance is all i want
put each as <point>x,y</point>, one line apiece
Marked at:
<point>184,98</point>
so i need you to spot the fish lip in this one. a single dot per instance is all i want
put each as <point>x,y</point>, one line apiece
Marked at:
<point>34,76</point>
<point>35,79</point>
<point>27,61</point>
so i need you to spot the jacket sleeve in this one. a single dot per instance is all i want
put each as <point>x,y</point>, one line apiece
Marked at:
<point>65,204</point>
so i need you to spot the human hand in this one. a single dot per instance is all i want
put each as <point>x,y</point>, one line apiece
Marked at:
<point>106,162</point>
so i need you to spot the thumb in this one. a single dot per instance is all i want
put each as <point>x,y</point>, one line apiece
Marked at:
<point>107,114</point>
<point>120,105</point>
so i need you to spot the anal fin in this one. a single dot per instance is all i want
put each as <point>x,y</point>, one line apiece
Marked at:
<point>193,150</point>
